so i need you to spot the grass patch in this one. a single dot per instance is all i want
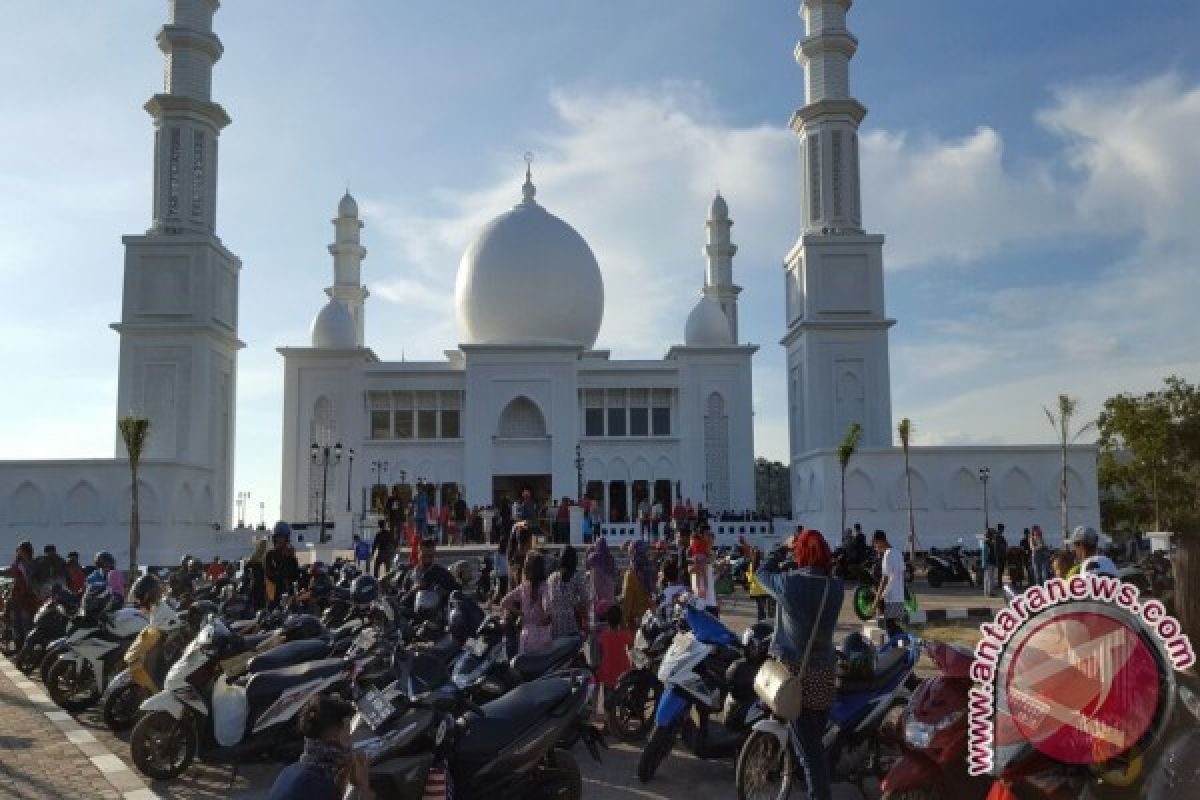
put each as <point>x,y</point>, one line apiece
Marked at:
<point>964,632</point>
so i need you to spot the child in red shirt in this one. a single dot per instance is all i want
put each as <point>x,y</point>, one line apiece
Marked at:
<point>614,642</point>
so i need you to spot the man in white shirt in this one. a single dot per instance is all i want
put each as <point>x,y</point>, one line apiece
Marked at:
<point>889,597</point>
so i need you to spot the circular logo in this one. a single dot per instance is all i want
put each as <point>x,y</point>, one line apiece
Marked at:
<point>1083,687</point>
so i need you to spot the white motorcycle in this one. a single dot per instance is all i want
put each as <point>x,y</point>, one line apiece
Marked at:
<point>201,708</point>
<point>93,653</point>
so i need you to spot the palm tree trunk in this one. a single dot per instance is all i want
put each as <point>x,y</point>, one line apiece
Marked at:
<point>135,533</point>
<point>1062,488</point>
<point>843,528</point>
<point>912,525</point>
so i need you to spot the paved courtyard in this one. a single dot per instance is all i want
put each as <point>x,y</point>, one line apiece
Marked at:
<point>40,761</point>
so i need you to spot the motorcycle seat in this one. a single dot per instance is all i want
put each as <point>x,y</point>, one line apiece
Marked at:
<point>506,718</point>
<point>533,665</point>
<point>255,639</point>
<point>887,665</point>
<point>289,655</point>
<point>265,685</point>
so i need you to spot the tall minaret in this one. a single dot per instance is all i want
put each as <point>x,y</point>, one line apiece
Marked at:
<point>178,328</point>
<point>718,254</point>
<point>837,331</point>
<point>348,253</point>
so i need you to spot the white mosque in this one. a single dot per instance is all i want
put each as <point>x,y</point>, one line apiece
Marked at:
<point>525,400</point>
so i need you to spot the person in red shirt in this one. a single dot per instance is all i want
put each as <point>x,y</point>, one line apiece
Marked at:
<point>23,601</point>
<point>614,643</point>
<point>215,569</point>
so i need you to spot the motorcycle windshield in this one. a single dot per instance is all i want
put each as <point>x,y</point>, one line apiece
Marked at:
<point>708,629</point>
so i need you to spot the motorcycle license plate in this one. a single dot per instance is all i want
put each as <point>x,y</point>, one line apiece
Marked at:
<point>375,708</point>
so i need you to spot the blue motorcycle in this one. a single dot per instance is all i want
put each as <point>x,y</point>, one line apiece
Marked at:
<point>708,696</point>
<point>861,739</point>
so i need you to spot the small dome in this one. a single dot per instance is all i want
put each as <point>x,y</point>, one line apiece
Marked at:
<point>333,328</point>
<point>529,278</point>
<point>718,210</point>
<point>348,207</point>
<point>707,325</point>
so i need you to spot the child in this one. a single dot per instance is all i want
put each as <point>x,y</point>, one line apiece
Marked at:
<point>362,554</point>
<point>702,587</point>
<point>614,642</point>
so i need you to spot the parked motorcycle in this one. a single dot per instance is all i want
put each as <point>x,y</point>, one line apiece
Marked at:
<point>705,672</point>
<point>421,742</point>
<point>94,651</point>
<point>156,648</point>
<point>485,673</point>
<point>201,710</point>
<point>948,566</point>
<point>860,740</point>
<point>630,708</point>
<point>934,725</point>
<point>49,623</point>
<point>868,576</point>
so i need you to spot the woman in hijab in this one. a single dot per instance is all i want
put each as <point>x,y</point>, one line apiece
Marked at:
<point>638,587</point>
<point>604,576</point>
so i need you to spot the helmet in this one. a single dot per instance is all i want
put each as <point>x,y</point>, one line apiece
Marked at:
<point>321,587</point>
<point>364,590</point>
<point>105,560</point>
<point>463,572</point>
<point>146,591</point>
<point>96,578</point>
<point>281,529</point>
<point>96,598</point>
<point>199,611</point>
<point>756,639</point>
<point>858,657</point>
<point>303,626</point>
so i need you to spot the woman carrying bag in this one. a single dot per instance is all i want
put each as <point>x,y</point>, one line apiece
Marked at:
<point>807,603</point>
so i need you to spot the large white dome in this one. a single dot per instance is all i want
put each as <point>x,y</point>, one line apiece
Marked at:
<point>333,328</point>
<point>707,325</point>
<point>529,278</point>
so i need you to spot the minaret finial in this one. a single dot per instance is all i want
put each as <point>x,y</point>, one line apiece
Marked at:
<point>528,190</point>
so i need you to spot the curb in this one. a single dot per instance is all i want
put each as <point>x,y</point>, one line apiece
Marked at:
<point>947,614</point>
<point>119,776</point>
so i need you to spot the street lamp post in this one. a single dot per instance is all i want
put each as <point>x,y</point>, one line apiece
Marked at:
<point>349,477</point>
<point>985,475</point>
<point>578,473</point>
<point>321,455</point>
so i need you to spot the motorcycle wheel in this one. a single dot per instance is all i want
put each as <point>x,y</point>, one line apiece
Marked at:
<point>935,577</point>
<point>864,602</point>
<point>764,769</point>
<point>657,748</point>
<point>48,662</point>
<point>162,746</point>
<point>631,713</point>
<point>568,784</point>
<point>31,655</point>
<point>121,707</point>
<point>72,686</point>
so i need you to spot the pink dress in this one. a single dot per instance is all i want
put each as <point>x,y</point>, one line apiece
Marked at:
<point>535,621</point>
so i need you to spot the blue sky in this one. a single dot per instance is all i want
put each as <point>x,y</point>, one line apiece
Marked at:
<point>1033,164</point>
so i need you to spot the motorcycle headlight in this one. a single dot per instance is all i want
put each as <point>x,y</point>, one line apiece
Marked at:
<point>919,734</point>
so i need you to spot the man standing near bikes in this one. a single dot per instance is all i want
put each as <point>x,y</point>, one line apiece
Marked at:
<point>889,597</point>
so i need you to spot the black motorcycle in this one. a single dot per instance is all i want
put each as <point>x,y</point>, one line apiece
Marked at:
<point>485,673</point>
<point>49,624</point>
<point>423,734</point>
<point>630,705</point>
<point>948,566</point>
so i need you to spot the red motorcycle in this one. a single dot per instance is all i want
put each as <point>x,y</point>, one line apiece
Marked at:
<point>934,729</point>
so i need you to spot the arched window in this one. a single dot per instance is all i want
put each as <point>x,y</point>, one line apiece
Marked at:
<point>322,431</point>
<point>716,453</point>
<point>522,419</point>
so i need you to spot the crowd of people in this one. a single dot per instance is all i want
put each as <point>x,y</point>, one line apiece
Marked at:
<point>1033,561</point>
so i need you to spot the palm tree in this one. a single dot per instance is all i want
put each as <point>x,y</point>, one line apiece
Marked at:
<point>905,429</point>
<point>1060,420</point>
<point>134,431</point>
<point>844,452</point>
